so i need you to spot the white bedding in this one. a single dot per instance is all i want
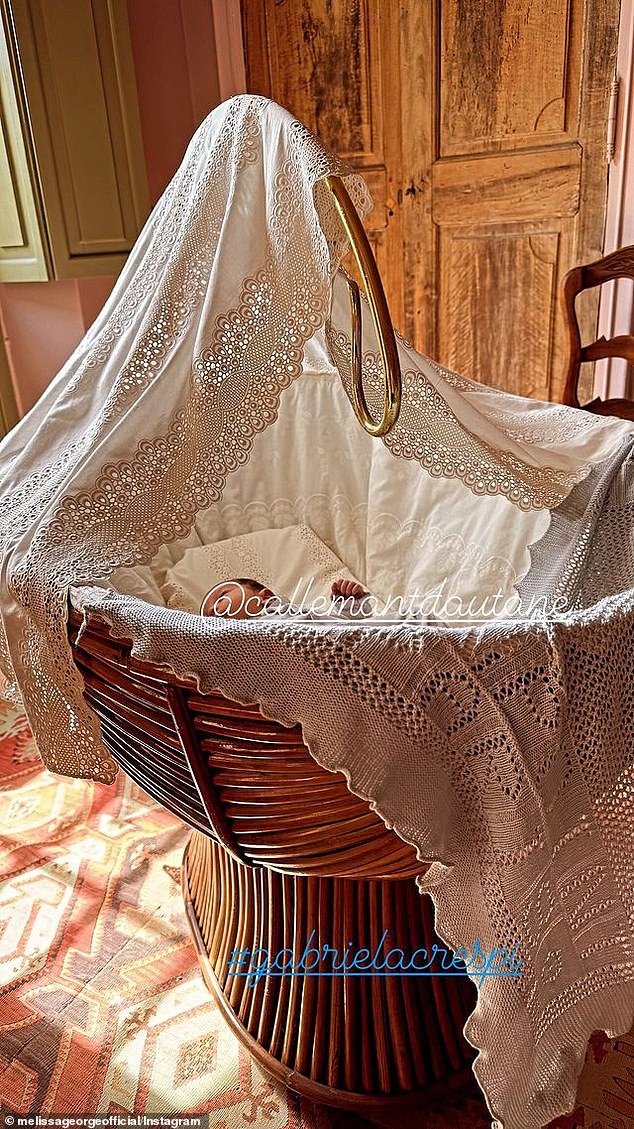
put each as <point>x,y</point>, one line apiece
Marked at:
<point>390,524</point>
<point>292,562</point>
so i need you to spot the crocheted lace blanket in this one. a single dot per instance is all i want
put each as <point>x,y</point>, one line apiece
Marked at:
<point>504,754</point>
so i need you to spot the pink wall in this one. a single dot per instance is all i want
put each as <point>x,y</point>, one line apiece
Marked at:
<point>174,51</point>
<point>42,322</point>
<point>232,78</point>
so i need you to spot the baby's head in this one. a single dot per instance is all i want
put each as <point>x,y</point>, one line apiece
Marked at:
<point>236,599</point>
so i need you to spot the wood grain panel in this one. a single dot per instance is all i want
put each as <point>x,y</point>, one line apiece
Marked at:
<point>596,70</point>
<point>325,66</point>
<point>508,187</point>
<point>475,267</point>
<point>329,62</point>
<point>376,180</point>
<point>486,125</point>
<point>503,72</point>
<point>419,76</point>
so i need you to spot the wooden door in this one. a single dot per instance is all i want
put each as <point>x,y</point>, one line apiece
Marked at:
<point>481,130</point>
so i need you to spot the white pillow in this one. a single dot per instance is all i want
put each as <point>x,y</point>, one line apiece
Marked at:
<point>293,562</point>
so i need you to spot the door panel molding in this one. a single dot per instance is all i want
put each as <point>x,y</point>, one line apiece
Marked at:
<point>483,129</point>
<point>542,184</point>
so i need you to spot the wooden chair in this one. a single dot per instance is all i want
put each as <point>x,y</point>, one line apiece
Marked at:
<point>281,848</point>
<point>620,264</point>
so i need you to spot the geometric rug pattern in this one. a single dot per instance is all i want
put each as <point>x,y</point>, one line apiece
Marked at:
<point>102,1006</point>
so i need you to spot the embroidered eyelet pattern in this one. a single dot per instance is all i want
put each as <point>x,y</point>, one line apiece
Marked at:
<point>445,448</point>
<point>239,366</point>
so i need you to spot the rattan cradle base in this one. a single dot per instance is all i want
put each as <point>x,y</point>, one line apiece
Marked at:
<point>346,1041</point>
<point>281,846</point>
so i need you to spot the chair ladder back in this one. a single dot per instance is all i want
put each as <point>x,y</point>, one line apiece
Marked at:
<point>619,264</point>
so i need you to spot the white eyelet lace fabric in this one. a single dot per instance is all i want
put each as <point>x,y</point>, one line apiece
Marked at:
<point>496,758</point>
<point>495,443</point>
<point>163,399</point>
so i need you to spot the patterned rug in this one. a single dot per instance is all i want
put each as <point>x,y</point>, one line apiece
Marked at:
<point>102,1008</point>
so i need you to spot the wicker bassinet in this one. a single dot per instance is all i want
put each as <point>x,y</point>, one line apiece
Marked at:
<point>196,332</point>
<point>281,847</point>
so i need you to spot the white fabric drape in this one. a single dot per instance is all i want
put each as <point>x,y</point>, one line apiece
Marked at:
<point>157,418</point>
<point>161,402</point>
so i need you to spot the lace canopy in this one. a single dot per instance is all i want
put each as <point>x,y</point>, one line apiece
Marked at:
<point>503,753</point>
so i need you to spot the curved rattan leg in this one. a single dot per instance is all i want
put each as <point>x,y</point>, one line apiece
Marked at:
<point>344,1041</point>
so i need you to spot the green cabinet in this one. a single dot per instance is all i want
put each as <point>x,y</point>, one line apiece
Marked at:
<point>73,189</point>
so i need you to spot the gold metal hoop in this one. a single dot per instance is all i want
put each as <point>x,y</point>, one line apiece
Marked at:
<point>384,329</point>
